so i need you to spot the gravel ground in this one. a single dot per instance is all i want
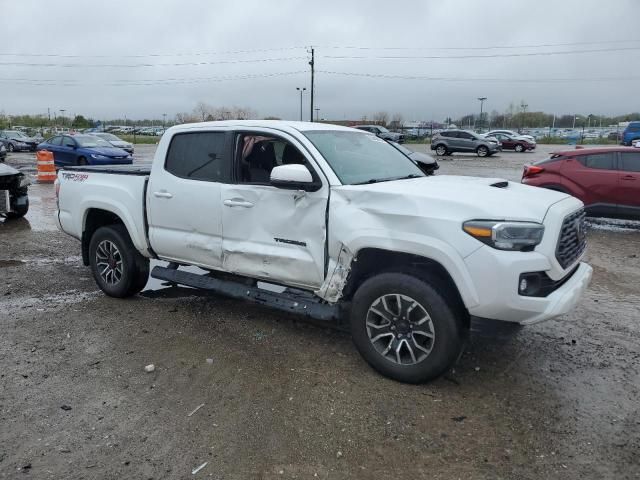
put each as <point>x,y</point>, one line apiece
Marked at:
<point>289,399</point>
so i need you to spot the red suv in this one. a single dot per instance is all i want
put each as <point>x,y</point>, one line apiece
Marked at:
<point>607,180</point>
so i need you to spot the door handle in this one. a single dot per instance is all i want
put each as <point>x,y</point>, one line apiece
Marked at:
<point>628,177</point>
<point>237,202</point>
<point>162,194</point>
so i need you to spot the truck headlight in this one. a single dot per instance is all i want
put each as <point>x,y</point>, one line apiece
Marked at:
<point>506,235</point>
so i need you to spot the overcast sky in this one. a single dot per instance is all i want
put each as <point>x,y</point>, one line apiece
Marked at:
<point>117,58</point>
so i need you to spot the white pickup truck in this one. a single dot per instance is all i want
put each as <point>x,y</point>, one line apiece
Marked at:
<point>345,223</point>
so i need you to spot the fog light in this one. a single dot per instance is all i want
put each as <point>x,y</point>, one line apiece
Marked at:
<point>529,284</point>
<point>523,285</point>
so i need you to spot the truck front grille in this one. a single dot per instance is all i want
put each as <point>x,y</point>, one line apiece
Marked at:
<point>573,239</point>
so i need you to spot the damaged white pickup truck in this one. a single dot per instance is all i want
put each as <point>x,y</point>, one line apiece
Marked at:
<point>346,222</point>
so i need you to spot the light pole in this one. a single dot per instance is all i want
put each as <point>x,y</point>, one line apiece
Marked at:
<point>317,113</point>
<point>164,120</point>
<point>524,111</point>
<point>482,99</point>
<point>574,121</point>
<point>301,90</point>
<point>62,110</point>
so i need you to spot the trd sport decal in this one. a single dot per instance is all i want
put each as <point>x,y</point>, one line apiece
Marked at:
<point>291,242</point>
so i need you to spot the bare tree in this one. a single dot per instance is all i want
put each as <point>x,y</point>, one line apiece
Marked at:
<point>381,118</point>
<point>396,121</point>
<point>203,110</point>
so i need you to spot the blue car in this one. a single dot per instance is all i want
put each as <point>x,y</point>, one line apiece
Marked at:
<point>631,133</point>
<point>84,150</point>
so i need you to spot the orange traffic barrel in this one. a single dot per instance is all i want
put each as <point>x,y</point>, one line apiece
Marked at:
<point>46,167</point>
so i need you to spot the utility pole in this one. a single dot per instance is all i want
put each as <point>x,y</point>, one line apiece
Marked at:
<point>302,90</point>
<point>482,99</point>
<point>164,120</point>
<point>317,113</point>
<point>312,63</point>
<point>524,111</point>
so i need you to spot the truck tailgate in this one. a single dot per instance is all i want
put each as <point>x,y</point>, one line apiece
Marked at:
<point>114,190</point>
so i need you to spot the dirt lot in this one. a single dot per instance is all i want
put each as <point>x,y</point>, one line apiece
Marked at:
<point>287,399</point>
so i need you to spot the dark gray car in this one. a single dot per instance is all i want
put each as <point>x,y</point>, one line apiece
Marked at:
<point>426,163</point>
<point>450,141</point>
<point>382,132</point>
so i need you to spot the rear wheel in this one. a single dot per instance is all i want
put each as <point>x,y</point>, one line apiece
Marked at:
<point>117,267</point>
<point>441,150</point>
<point>519,148</point>
<point>482,151</point>
<point>405,328</point>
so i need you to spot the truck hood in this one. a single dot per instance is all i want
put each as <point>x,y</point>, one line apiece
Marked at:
<point>454,197</point>
<point>6,170</point>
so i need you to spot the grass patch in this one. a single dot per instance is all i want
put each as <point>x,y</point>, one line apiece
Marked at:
<point>140,139</point>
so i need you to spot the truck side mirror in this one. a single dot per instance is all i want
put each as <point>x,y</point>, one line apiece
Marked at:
<point>293,177</point>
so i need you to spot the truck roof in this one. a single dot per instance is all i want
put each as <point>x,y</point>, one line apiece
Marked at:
<point>277,124</point>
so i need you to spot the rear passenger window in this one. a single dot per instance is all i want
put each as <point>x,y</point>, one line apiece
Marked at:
<point>630,161</point>
<point>199,156</point>
<point>600,161</point>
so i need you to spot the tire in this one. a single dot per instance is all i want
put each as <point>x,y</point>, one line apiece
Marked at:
<point>82,161</point>
<point>482,151</point>
<point>441,150</point>
<point>20,212</point>
<point>111,252</point>
<point>519,148</point>
<point>437,354</point>
<point>10,147</point>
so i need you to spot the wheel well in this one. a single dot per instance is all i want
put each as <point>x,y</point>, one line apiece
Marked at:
<point>95,219</point>
<point>372,261</point>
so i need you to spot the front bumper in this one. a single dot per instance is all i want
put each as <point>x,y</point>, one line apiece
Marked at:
<point>496,277</point>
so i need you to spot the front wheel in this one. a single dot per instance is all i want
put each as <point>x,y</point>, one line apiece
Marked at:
<point>10,147</point>
<point>482,151</point>
<point>441,150</point>
<point>405,328</point>
<point>82,161</point>
<point>117,267</point>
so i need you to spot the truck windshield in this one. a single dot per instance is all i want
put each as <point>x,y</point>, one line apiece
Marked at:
<point>358,157</point>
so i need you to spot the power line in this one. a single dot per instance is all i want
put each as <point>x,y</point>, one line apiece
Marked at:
<point>491,55</point>
<point>145,82</point>
<point>138,65</point>
<point>143,55</point>
<point>493,47</point>
<point>478,79</point>
<point>333,47</point>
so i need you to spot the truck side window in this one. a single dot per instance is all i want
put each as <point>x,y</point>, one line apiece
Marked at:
<point>199,156</point>
<point>260,154</point>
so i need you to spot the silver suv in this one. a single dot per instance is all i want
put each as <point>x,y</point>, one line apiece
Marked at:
<point>450,141</point>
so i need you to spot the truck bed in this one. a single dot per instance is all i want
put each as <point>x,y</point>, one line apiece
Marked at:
<point>142,169</point>
<point>118,190</point>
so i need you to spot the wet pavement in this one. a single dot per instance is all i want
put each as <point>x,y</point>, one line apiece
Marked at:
<point>285,398</point>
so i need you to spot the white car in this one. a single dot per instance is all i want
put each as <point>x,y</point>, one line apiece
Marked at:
<point>511,133</point>
<point>348,227</point>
